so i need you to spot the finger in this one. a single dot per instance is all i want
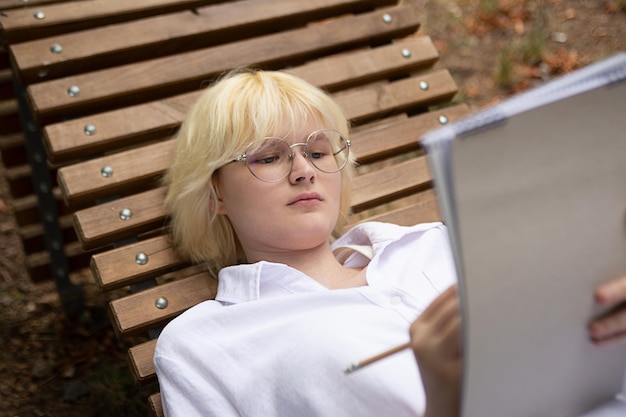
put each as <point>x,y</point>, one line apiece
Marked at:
<point>608,326</point>
<point>441,299</point>
<point>451,337</point>
<point>446,312</point>
<point>612,292</point>
<point>440,332</point>
<point>434,317</point>
<point>610,340</point>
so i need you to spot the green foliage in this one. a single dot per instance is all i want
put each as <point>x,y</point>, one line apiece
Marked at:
<point>528,51</point>
<point>488,6</point>
<point>504,68</point>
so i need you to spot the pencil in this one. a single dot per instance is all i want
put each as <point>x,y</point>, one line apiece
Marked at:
<point>376,358</point>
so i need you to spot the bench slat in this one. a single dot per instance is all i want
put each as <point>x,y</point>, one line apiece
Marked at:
<point>156,407</point>
<point>161,35</point>
<point>67,140</point>
<point>141,360</point>
<point>19,24</point>
<point>14,4</point>
<point>387,184</point>
<point>99,225</point>
<point>153,79</point>
<point>397,96</point>
<point>138,313</point>
<point>424,210</point>
<point>118,267</point>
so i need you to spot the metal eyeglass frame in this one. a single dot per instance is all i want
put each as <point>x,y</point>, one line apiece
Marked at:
<point>243,157</point>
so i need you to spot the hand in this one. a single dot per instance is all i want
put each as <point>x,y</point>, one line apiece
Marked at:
<point>610,327</point>
<point>436,343</point>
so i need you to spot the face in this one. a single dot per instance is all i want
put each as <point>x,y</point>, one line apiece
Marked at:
<point>296,213</point>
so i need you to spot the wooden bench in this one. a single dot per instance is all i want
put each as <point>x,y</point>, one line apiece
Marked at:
<point>111,140</point>
<point>71,38</point>
<point>51,43</point>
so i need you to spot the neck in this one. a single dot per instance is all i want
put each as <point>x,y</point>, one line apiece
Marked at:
<point>319,263</point>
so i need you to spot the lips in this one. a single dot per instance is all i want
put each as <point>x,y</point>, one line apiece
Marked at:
<point>305,197</point>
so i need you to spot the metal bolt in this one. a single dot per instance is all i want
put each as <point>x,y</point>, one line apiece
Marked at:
<point>73,91</point>
<point>141,258</point>
<point>443,120</point>
<point>125,214</point>
<point>55,48</point>
<point>424,85</point>
<point>90,130</point>
<point>43,187</point>
<point>406,53</point>
<point>161,303</point>
<point>106,171</point>
<point>387,18</point>
<point>39,15</point>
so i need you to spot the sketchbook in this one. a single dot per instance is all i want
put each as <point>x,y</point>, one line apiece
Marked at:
<point>533,191</point>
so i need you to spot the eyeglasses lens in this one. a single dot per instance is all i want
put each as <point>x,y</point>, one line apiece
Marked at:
<point>271,159</point>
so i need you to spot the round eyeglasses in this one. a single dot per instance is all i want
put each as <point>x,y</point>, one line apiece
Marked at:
<point>271,159</point>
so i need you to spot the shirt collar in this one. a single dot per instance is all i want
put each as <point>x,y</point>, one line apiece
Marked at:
<point>247,282</point>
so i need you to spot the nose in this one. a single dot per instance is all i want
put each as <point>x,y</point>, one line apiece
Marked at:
<point>302,169</point>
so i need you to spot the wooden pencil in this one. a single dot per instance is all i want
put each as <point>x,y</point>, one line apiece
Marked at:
<point>353,367</point>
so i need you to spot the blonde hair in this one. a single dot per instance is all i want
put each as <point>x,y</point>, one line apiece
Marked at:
<point>243,106</point>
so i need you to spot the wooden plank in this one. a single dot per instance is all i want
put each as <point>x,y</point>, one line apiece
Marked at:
<point>112,45</point>
<point>157,78</point>
<point>399,96</point>
<point>156,407</point>
<point>20,4</point>
<point>84,181</point>
<point>141,361</point>
<point>398,180</point>
<point>21,24</point>
<point>67,140</point>
<point>128,171</point>
<point>138,313</point>
<point>119,267</point>
<point>132,125</point>
<point>424,211</point>
<point>400,136</point>
<point>102,224</point>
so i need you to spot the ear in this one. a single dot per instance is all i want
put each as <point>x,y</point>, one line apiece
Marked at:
<point>217,206</point>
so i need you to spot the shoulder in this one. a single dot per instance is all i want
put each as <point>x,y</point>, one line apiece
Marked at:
<point>190,324</point>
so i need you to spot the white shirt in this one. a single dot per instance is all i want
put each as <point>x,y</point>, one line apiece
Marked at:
<point>275,342</point>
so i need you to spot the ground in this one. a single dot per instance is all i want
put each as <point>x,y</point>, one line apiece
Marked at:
<point>54,366</point>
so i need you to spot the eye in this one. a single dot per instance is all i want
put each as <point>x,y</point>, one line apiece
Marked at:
<point>319,148</point>
<point>264,159</point>
<point>268,152</point>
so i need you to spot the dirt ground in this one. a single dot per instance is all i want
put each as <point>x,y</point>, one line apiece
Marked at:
<point>53,366</point>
